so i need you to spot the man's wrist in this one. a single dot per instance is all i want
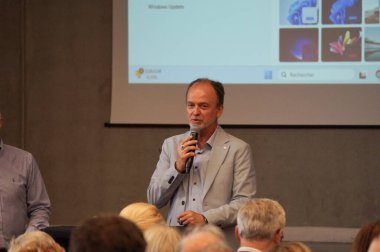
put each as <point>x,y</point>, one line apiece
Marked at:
<point>176,168</point>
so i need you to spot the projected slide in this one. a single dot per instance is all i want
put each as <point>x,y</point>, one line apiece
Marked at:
<point>283,62</point>
<point>254,42</point>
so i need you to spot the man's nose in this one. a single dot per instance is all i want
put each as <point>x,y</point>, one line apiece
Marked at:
<point>196,110</point>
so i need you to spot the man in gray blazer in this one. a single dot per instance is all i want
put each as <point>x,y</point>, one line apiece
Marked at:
<point>222,176</point>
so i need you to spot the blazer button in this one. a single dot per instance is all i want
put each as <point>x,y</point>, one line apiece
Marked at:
<point>183,202</point>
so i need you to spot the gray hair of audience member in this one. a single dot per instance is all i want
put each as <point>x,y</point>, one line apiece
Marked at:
<point>35,241</point>
<point>161,237</point>
<point>260,219</point>
<point>111,233</point>
<point>291,247</point>
<point>203,238</point>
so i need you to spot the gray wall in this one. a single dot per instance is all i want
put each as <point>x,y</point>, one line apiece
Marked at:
<point>55,86</point>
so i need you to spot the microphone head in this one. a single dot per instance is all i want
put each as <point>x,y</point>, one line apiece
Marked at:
<point>195,128</point>
<point>194,131</point>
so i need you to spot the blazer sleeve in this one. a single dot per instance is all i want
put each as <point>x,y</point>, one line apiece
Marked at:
<point>165,179</point>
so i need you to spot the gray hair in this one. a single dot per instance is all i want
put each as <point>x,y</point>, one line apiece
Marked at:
<point>215,247</point>
<point>260,219</point>
<point>203,238</point>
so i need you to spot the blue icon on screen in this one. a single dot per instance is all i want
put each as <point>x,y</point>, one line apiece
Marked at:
<point>345,12</point>
<point>268,75</point>
<point>303,12</point>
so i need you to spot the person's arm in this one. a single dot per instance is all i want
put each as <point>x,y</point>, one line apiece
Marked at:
<point>38,203</point>
<point>165,179</point>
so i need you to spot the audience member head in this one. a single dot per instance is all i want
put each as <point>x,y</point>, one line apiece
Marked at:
<point>260,224</point>
<point>143,214</point>
<point>161,238</point>
<point>109,233</point>
<point>203,238</point>
<point>34,241</point>
<point>291,247</point>
<point>368,238</point>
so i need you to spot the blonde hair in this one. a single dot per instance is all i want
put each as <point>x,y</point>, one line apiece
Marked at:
<point>144,215</point>
<point>291,247</point>
<point>161,238</point>
<point>35,241</point>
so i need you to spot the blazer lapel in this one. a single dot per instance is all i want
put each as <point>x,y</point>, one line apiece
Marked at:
<point>219,152</point>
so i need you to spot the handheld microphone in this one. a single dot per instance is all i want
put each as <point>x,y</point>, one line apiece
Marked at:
<point>194,132</point>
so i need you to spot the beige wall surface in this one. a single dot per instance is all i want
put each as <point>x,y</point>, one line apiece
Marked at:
<point>55,85</point>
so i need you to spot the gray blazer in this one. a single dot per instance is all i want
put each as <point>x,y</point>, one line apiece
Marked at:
<point>230,180</point>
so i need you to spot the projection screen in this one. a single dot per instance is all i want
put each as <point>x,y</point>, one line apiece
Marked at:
<point>282,62</point>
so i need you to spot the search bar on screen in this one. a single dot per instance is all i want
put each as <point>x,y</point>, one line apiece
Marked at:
<point>316,74</point>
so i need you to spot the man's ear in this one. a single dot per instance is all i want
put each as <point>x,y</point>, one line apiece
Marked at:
<point>220,110</point>
<point>279,235</point>
<point>237,233</point>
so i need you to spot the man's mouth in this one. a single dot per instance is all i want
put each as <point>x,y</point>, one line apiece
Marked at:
<point>195,120</point>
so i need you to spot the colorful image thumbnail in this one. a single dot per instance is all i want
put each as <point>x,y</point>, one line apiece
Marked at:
<point>299,12</point>
<point>371,11</point>
<point>342,12</point>
<point>341,44</point>
<point>372,44</point>
<point>298,45</point>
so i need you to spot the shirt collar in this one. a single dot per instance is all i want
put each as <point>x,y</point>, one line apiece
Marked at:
<point>210,141</point>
